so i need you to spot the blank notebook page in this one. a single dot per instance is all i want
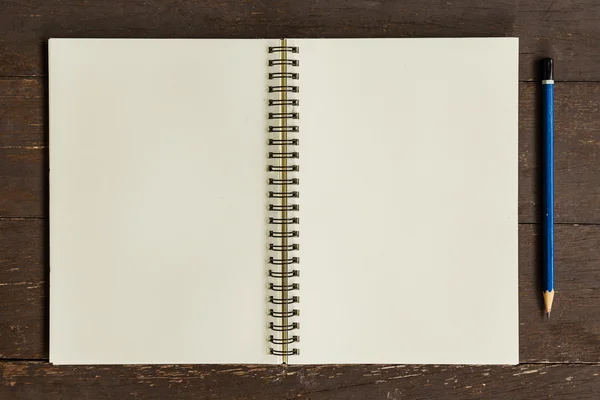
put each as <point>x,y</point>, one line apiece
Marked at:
<point>157,201</point>
<point>408,201</point>
<point>408,215</point>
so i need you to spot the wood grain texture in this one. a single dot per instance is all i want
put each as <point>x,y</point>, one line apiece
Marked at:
<point>34,380</point>
<point>566,30</point>
<point>23,182</point>
<point>23,288</point>
<point>573,333</point>
<point>576,148</point>
<point>23,163</point>
<point>22,113</point>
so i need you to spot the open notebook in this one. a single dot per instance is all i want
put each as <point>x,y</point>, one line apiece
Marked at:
<point>268,201</point>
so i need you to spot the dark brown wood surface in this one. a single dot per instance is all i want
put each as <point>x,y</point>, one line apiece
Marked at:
<point>566,29</point>
<point>38,380</point>
<point>560,358</point>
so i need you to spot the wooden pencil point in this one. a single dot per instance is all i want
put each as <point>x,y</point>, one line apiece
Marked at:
<point>548,299</point>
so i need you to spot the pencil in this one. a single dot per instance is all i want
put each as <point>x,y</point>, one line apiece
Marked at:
<point>548,221</point>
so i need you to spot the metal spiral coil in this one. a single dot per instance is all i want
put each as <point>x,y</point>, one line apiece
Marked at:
<point>284,353</point>
<point>289,207</point>
<point>280,301</point>
<point>285,102</point>
<point>279,168</point>
<point>283,155</point>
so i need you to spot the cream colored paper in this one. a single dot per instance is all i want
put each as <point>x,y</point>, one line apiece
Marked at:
<point>157,201</point>
<point>409,201</point>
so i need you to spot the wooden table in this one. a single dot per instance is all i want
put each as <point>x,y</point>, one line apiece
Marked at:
<point>559,358</point>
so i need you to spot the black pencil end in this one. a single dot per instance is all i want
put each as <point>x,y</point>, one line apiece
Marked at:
<point>547,69</point>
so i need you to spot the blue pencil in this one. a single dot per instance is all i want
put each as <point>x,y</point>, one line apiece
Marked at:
<point>548,111</point>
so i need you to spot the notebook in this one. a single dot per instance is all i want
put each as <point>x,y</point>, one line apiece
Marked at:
<point>298,201</point>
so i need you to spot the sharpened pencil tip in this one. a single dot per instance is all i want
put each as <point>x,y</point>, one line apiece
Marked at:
<point>548,315</point>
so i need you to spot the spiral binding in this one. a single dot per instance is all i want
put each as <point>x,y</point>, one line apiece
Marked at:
<point>284,226</point>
